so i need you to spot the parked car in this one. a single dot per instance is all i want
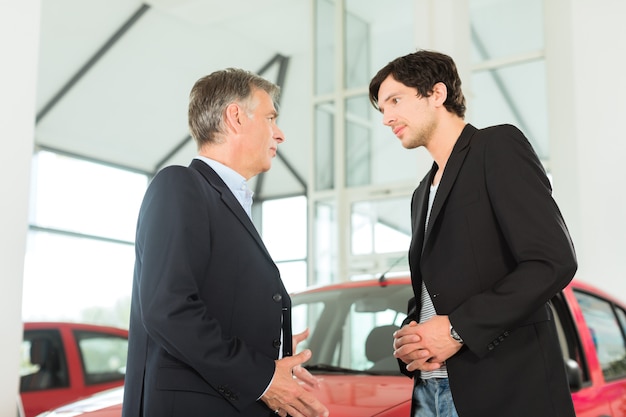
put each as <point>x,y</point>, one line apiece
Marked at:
<point>351,331</point>
<point>63,362</point>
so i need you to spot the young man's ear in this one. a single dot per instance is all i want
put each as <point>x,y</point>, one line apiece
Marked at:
<point>440,93</point>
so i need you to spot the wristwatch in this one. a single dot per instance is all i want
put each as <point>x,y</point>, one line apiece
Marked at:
<point>455,335</point>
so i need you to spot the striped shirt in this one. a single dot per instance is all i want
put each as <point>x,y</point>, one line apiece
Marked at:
<point>428,309</point>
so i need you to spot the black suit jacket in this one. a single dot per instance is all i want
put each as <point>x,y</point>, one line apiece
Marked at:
<point>495,251</point>
<point>208,303</point>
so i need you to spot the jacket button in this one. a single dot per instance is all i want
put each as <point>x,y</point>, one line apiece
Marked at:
<point>490,346</point>
<point>276,343</point>
<point>277,297</point>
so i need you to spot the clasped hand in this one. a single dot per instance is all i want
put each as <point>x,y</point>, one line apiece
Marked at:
<point>290,390</point>
<point>425,346</point>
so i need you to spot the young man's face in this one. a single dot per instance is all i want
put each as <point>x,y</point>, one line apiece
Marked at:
<point>410,115</point>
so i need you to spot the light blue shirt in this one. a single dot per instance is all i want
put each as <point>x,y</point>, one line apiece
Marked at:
<point>234,181</point>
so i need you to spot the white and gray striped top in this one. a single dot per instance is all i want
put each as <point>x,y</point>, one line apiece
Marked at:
<point>428,310</point>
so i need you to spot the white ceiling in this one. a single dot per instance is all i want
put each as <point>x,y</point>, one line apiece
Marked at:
<point>114,77</point>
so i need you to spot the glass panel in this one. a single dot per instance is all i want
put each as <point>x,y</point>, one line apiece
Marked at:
<point>607,334</point>
<point>356,51</point>
<point>73,279</point>
<point>284,228</point>
<point>79,196</point>
<point>387,31</point>
<point>305,316</point>
<point>358,142</point>
<point>43,364</point>
<point>293,275</point>
<point>381,226</point>
<point>503,28</point>
<point>352,327</point>
<point>324,46</point>
<point>103,356</point>
<point>515,95</point>
<point>324,146</point>
<point>325,251</point>
<point>621,315</point>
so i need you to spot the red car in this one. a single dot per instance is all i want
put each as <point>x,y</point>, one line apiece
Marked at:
<point>63,362</point>
<point>351,326</point>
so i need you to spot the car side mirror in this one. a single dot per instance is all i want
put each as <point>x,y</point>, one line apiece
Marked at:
<point>574,375</point>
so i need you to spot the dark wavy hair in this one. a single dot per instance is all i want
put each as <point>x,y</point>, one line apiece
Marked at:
<point>422,70</point>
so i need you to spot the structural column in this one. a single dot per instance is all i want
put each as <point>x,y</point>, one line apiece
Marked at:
<point>19,39</point>
<point>587,106</point>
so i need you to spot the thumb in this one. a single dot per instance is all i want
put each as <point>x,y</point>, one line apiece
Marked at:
<point>299,359</point>
<point>299,337</point>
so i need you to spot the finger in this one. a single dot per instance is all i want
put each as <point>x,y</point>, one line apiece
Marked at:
<point>407,350</point>
<point>406,329</point>
<point>305,376</point>
<point>415,355</point>
<point>298,359</point>
<point>299,337</point>
<point>308,406</point>
<point>406,340</point>
<point>422,365</point>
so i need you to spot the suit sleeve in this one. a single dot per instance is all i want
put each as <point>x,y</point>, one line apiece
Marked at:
<point>535,241</point>
<point>173,246</point>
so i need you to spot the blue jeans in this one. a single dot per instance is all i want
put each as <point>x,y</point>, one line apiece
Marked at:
<point>434,398</point>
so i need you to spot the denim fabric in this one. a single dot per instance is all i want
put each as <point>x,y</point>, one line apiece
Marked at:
<point>434,398</point>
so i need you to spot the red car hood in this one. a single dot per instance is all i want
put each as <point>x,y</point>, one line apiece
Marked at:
<point>344,395</point>
<point>364,395</point>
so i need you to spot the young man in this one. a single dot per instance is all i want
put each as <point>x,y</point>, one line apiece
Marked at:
<point>210,327</point>
<point>489,250</point>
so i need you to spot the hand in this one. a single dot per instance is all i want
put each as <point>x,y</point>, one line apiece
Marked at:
<point>299,372</point>
<point>286,396</point>
<point>433,336</point>
<point>299,337</point>
<point>407,348</point>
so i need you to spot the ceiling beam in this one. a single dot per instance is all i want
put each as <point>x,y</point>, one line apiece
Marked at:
<point>91,62</point>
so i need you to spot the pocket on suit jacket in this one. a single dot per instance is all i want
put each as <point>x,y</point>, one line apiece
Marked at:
<point>181,379</point>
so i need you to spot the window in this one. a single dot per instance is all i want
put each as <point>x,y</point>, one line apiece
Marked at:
<point>607,333</point>
<point>43,364</point>
<point>568,335</point>
<point>352,328</point>
<point>80,253</point>
<point>103,356</point>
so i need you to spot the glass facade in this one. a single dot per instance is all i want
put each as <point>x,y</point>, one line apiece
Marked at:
<point>508,83</point>
<point>355,220</point>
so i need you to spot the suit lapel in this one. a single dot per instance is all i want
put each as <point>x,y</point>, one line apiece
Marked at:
<point>451,171</point>
<point>230,201</point>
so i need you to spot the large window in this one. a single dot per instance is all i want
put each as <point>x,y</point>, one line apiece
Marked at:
<point>508,83</point>
<point>357,162</point>
<point>80,254</point>
<point>80,250</point>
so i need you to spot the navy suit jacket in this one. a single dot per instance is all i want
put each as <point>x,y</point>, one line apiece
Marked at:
<point>495,251</point>
<point>208,303</point>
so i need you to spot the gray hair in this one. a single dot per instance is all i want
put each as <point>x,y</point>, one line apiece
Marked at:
<point>212,94</point>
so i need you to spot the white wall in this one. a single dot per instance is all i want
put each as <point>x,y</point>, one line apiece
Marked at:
<point>19,38</point>
<point>587,106</point>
